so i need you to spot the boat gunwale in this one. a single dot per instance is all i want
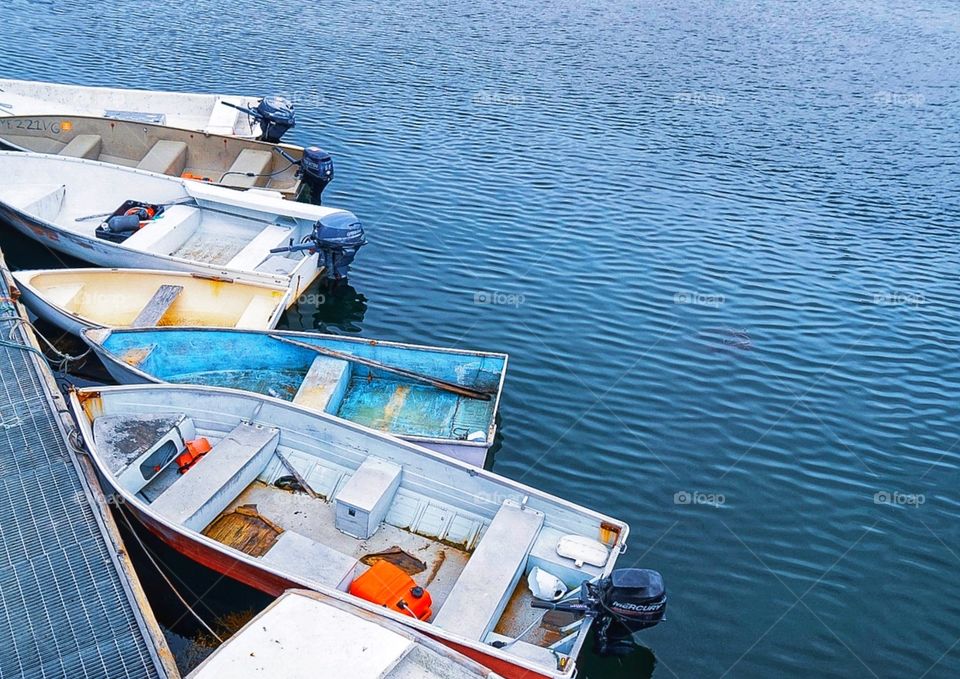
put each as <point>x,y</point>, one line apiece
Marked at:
<point>85,425</point>
<point>211,98</point>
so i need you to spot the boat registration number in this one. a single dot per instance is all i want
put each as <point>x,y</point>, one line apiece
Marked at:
<point>35,125</point>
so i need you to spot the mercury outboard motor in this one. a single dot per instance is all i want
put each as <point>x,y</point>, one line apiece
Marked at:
<point>274,115</point>
<point>630,600</point>
<point>338,238</point>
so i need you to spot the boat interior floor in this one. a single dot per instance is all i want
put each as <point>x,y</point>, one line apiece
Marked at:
<point>315,519</point>
<point>218,240</point>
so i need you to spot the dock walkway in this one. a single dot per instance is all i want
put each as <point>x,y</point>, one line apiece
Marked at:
<point>70,604</point>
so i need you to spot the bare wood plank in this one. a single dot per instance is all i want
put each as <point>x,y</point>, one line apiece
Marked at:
<point>158,305</point>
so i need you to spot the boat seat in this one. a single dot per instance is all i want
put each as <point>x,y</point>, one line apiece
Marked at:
<point>258,314</point>
<point>198,497</point>
<point>64,295</point>
<point>259,248</point>
<point>310,560</point>
<point>223,119</point>
<point>158,305</point>
<point>249,161</point>
<point>165,157</point>
<point>486,583</point>
<point>279,264</point>
<point>43,201</point>
<point>324,385</point>
<point>167,232</point>
<point>83,146</point>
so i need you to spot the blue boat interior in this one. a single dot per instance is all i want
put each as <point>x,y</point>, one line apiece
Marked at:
<point>370,396</point>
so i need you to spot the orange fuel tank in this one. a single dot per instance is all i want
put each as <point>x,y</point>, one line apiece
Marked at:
<point>389,586</point>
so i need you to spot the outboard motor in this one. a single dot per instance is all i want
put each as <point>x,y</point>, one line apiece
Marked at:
<point>338,237</point>
<point>274,115</point>
<point>316,171</point>
<point>630,600</point>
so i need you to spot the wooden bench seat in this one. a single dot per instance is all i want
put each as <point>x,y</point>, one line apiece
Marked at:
<point>83,146</point>
<point>197,497</point>
<point>165,157</point>
<point>324,385</point>
<point>158,305</point>
<point>483,589</point>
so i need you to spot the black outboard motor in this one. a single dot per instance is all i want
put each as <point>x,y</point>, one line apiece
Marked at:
<point>316,171</point>
<point>274,115</point>
<point>630,600</point>
<point>337,237</point>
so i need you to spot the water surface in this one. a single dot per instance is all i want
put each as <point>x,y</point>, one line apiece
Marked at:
<point>718,240</point>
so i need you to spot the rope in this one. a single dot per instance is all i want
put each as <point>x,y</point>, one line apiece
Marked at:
<point>64,359</point>
<point>164,576</point>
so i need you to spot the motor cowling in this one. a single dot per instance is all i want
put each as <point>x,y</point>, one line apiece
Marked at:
<point>276,116</point>
<point>316,171</point>
<point>338,238</point>
<point>631,599</point>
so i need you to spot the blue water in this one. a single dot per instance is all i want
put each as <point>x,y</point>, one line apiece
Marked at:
<point>718,239</point>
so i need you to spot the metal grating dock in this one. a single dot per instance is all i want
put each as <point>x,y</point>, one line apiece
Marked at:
<point>66,606</point>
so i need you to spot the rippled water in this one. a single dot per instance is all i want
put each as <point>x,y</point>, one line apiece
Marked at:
<point>719,241</point>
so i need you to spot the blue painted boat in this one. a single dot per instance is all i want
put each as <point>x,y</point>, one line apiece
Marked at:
<point>444,399</point>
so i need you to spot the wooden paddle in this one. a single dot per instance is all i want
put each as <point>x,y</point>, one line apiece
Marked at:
<point>302,481</point>
<point>370,363</point>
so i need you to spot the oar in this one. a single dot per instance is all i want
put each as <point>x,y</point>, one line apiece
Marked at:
<point>370,363</point>
<point>182,201</point>
<point>302,481</point>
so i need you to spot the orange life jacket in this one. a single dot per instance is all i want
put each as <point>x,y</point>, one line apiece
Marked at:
<point>195,450</point>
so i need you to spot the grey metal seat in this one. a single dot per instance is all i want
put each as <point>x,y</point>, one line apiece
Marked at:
<point>196,498</point>
<point>483,589</point>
